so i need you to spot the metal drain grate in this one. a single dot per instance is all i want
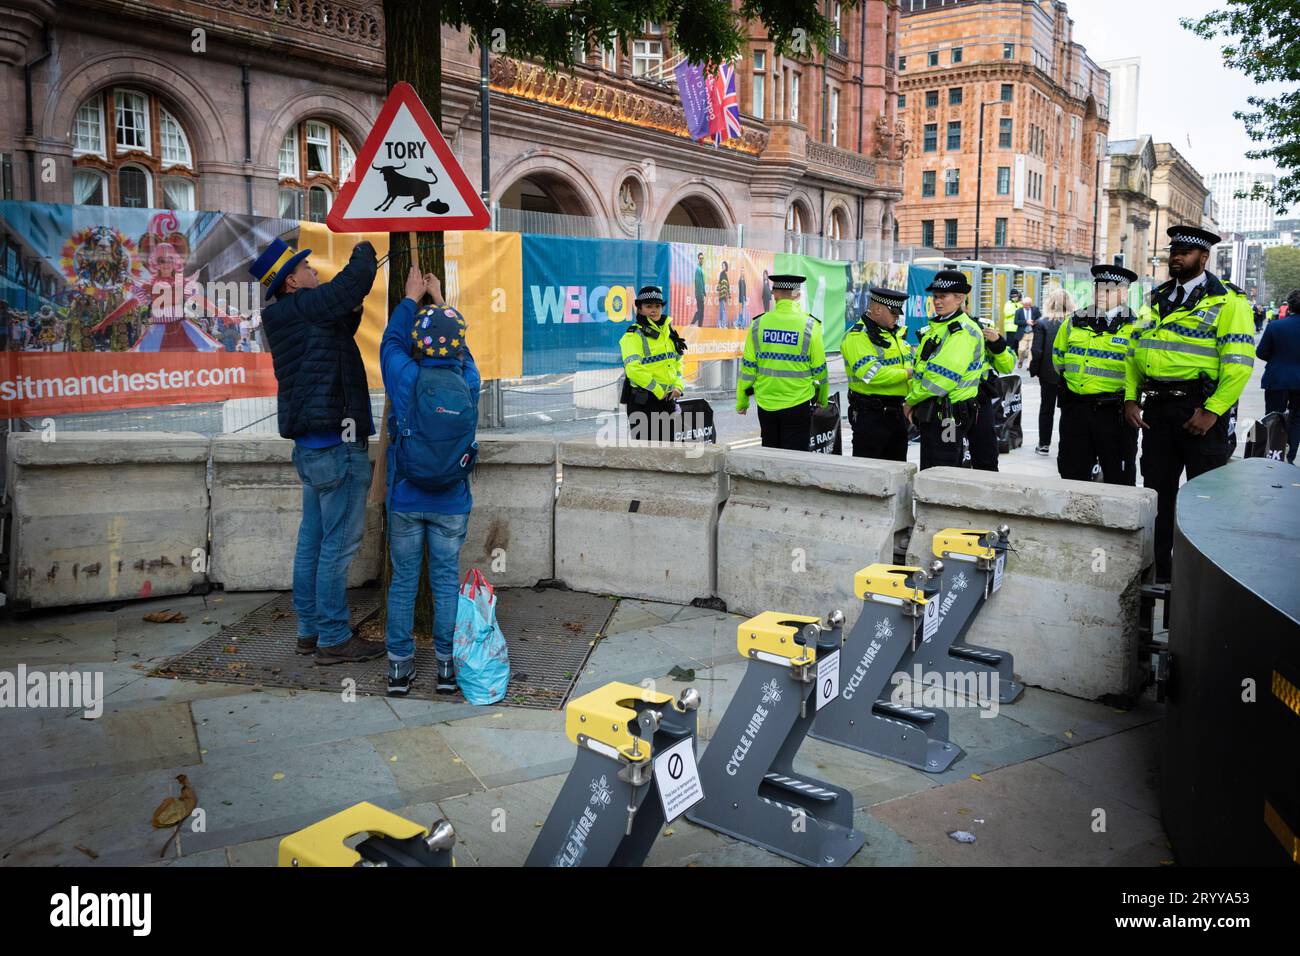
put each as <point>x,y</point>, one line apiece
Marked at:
<point>549,633</point>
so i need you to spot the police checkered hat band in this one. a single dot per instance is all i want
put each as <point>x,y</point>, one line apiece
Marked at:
<point>1191,236</point>
<point>1115,274</point>
<point>889,298</point>
<point>949,280</point>
<point>787,283</point>
<point>651,294</point>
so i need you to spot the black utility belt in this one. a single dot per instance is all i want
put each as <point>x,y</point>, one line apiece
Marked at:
<point>1099,401</point>
<point>1171,391</point>
<point>887,401</point>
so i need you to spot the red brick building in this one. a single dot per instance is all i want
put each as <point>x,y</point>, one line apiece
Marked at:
<point>1043,102</point>
<point>251,106</point>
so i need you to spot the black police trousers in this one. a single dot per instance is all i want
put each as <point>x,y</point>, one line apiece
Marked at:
<point>983,440</point>
<point>1166,450</point>
<point>789,428</point>
<point>943,439</point>
<point>651,420</point>
<point>879,429</point>
<point>1096,432</point>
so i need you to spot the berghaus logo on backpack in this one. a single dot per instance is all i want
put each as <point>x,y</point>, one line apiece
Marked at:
<point>435,445</point>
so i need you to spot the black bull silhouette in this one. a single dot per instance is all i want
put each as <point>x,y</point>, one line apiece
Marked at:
<point>400,186</point>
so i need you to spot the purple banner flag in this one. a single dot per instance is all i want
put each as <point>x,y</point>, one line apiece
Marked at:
<point>694,92</point>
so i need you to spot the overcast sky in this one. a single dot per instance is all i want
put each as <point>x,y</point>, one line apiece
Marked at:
<point>1185,91</point>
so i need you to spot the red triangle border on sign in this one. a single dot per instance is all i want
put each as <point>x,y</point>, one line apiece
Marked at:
<point>404,94</point>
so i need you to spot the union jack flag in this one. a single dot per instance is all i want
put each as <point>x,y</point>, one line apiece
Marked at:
<point>726,104</point>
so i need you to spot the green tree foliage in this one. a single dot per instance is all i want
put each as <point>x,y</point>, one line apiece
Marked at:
<point>1281,271</point>
<point>1260,40</point>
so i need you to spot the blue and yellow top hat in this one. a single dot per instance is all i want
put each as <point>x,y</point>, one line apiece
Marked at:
<point>439,333</point>
<point>274,265</point>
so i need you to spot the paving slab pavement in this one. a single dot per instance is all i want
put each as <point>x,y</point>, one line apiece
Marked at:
<point>266,762</point>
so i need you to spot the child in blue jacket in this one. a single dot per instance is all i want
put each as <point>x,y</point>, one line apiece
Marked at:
<point>417,518</point>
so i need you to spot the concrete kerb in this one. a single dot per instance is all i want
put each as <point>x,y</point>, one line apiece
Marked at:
<point>796,527</point>
<point>256,509</point>
<point>101,516</point>
<point>639,520</point>
<point>511,536</point>
<point>1068,607</point>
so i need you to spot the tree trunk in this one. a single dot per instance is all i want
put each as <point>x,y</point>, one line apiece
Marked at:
<point>413,53</point>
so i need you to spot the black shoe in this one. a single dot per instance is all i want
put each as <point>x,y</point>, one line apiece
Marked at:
<point>1043,450</point>
<point>352,650</point>
<point>446,678</point>
<point>306,645</point>
<point>400,677</point>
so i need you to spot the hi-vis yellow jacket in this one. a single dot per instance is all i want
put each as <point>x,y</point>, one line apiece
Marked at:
<point>874,368</point>
<point>949,360</point>
<point>650,358</point>
<point>1212,332</point>
<point>784,361</point>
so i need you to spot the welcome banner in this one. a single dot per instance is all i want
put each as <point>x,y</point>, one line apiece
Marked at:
<point>579,298</point>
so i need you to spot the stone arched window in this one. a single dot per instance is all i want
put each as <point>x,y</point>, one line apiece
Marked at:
<point>130,150</point>
<point>315,157</point>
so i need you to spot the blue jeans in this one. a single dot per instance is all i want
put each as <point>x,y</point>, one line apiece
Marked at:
<point>408,534</point>
<point>722,315</point>
<point>335,482</point>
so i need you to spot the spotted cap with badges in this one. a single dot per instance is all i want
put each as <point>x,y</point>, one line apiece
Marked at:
<point>1191,236</point>
<point>948,280</point>
<point>894,301</point>
<point>439,332</point>
<point>651,294</point>
<point>1111,273</point>
<point>787,283</point>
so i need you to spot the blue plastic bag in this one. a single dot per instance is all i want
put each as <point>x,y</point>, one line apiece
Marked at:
<point>479,650</point>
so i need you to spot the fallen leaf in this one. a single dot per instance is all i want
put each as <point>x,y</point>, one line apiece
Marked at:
<point>86,850</point>
<point>1069,735</point>
<point>165,617</point>
<point>393,759</point>
<point>668,833</point>
<point>173,810</point>
<point>230,649</point>
<point>976,776</point>
<point>963,811</point>
<point>277,776</point>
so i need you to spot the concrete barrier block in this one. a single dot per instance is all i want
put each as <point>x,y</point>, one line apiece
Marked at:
<point>511,536</point>
<point>102,516</point>
<point>796,527</point>
<point>639,520</point>
<point>1068,607</point>
<point>256,510</point>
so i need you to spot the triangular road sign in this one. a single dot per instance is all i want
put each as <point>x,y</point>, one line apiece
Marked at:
<point>406,178</point>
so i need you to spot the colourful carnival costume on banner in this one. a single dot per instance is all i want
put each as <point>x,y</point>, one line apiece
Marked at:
<point>166,292</point>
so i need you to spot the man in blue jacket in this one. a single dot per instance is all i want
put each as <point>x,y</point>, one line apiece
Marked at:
<point>418,518</point>
<point>1280,348</point>
<point>323,404</point>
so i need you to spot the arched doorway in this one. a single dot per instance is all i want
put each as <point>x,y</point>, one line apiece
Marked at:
<point>549,203</point>
<point>693,212</point>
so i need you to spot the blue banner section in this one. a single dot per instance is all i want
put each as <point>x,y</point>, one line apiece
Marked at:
<point>918,310</point>
<point>578,298</point>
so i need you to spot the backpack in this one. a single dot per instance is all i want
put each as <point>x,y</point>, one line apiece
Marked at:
<point>435,446</point>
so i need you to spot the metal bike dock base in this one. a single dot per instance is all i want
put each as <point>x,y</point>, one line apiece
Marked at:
<point>607,813</point>
<point>751,789</point>
<point>862,718</point>
<point>970,568</point>
<point>391,841</point>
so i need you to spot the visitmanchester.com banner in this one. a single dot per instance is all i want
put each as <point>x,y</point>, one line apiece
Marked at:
<point>105,308</point>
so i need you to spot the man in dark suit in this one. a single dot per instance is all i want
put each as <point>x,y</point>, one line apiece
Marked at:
<point>1280,348</point>
<point>1027,317</point>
